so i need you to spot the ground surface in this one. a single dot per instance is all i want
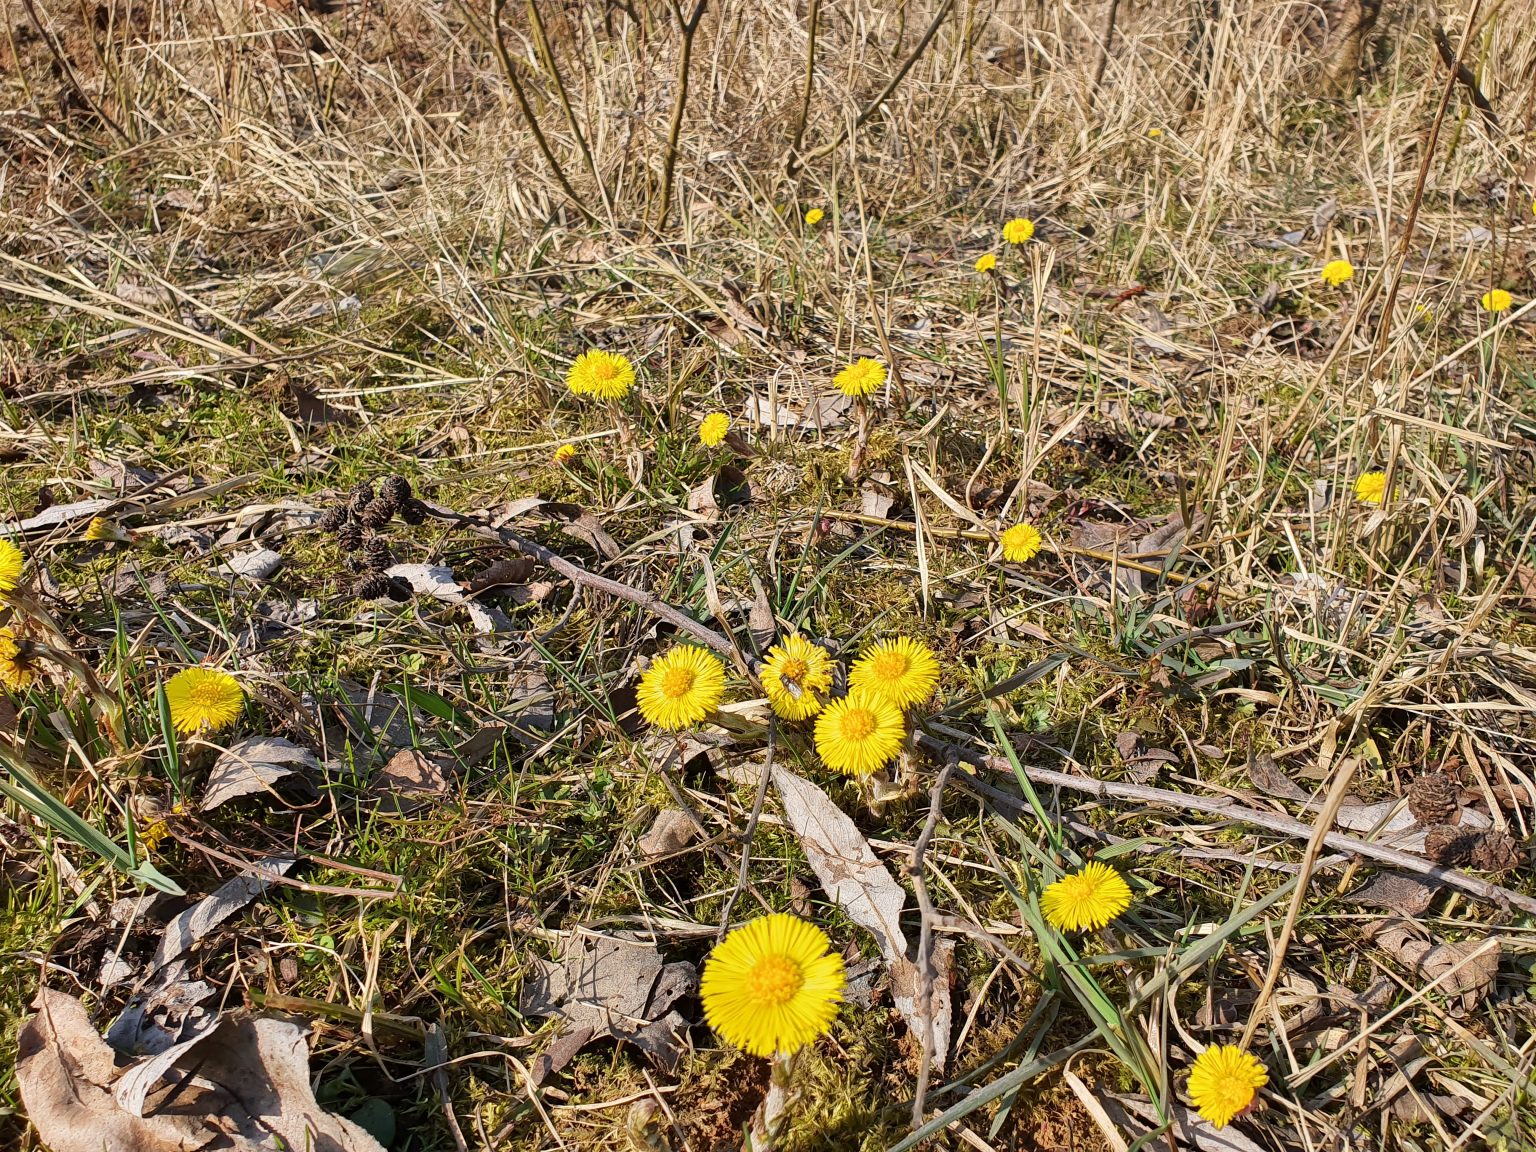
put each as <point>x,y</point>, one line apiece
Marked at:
<point>255,257</point>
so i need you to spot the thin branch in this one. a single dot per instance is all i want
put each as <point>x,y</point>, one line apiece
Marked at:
<point>885,94</point>
<point>576,574</point>
<point>690,26</point>
<point>925,971</point>
<point>547,58</point>
<point>1464,75</point>
<point>1104,49</point>
<point>750,834</point>
<point>509,69</point>
<point>813,22</point>
<point>1227,809</point>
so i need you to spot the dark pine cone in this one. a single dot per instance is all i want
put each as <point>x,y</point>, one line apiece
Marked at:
<point>1448,844</point>
<point>372,587</point>
<point>413,512</point>
<point>377,513</point>
<point>350,537</point>
<point>1432,798</point>
<point>1497,851</point>
<point>397,490</point>
<point>376,552</point>
<point>359,498</point>
<point>333,518</point>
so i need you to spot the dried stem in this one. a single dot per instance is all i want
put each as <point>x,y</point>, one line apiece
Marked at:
<point>547,58</point>
<point>925,970</point>
<point>690,27</point>
<point>813,21</point>
<point>885,93</point>
<point>1104,48</point>
<point>509,69</point>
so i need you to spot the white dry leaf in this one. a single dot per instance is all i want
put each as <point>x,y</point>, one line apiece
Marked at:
<point>853,876</point>
<point>58,514</point>
<point>187,929</point>
<point>253,765</point>
<point>437,581</point>
<point>255,564</point>
<point>848,869</point>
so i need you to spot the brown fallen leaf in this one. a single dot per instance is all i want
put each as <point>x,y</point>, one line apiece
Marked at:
<point>244,1087</point>
<point>1402,893</point>
<point>409,780</point>
<point>1468,967</point>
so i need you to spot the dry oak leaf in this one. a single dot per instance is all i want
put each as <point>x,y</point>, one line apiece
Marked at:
<point>1466,968</point>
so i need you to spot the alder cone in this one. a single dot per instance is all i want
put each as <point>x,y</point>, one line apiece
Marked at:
<point>334,517</point>
<point>372,587</point>
<point>377,513</point>
<point>1432,798</point>
<point>359,498</point>
<point>1497,852</point>
<point>1448,844</point>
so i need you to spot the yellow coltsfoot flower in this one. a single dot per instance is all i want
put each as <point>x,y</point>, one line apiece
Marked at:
<point>203,699</point>
<point>712,428</point>
<point>860,378</point>
<point>1019,230</point>
<point>903,671</point>
<point>797,675</point>
<point>1371,487</point>
<point>563,455</point>
<point>987,262</point>
<point>773,985</point>
<point>605,375</point>
<point>859,733</point>
<point>1224,1082</point>
<point>1337,272</point>
<point>1020,543</point>
<point>1496,300</point>
<point>11,563</point>
<point>18,669</point>
<point>681,688</point>
<point>1086,899</point>
<point>814,216</point>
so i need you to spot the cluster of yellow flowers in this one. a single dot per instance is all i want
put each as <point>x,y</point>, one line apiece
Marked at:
<point>1019,230</point>
<point>855,734</point>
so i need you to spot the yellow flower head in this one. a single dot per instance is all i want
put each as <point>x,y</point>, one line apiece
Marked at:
<point>1496,300</point>
<point>861,377</point>
<point>1224,1081</point>
<point>859,733</point>
<point>101,529</point>
<point>203,698</point>
<point>1154,132</point>
<point>1020,543</point>
<point>814,216</point>
<point>712,428</point>
<point>902,670</point>
<point>772,985</point>
<point>563,455</point>
<point>681,687</point>
<point>986,262</point>
<point>17,670</point>
<point>605,375</point>
<point>1086,899</point>
<point>1336,272</point>
<point>1371,487</point>
<point>1018,230</point>
<point>11,564</point>
<point>796,676</point>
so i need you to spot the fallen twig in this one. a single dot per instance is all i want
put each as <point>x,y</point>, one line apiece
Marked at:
<point>1464,75</point>
<point>1230,810</point>
<point>925,971</point>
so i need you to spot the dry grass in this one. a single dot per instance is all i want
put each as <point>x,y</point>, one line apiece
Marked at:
<point>216,213</point>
